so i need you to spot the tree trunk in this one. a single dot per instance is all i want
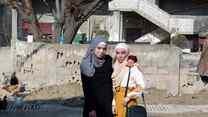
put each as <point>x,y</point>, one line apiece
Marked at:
<point>57,25</point>
<point>203,62</point>
<point>70,29</point>
<point>35,29</point>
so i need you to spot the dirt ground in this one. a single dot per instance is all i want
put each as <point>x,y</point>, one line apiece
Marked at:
<point>159,97</point>
<point>152,96</point>
<point>56,92</point>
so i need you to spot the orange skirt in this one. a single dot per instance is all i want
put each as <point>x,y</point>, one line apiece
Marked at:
<point>119,99</point>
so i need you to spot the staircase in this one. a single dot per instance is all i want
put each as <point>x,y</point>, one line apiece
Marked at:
<point>150,11</point>
<point>154,37</point>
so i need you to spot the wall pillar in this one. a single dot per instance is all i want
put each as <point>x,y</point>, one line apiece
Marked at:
<point>117,25</point>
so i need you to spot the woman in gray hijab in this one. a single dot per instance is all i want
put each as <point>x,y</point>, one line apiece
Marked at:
<point>96,69</point>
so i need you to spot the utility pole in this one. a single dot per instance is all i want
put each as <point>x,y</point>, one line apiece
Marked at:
<point>14,39</point>
<point>58,9</point>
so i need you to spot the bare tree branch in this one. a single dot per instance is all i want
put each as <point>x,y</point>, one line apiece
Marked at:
<point>89,6</point>
<point>52,10</point>
<point>88,13</point>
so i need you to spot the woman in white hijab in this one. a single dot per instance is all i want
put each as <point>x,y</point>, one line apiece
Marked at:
<point>119,62</point>
<point>120,76</point>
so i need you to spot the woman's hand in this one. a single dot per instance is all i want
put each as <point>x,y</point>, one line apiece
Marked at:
<point>126,100</point>
<point>114,109</point>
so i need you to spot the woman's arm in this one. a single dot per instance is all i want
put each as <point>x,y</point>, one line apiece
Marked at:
<point>139,81</point>
<point>135,92</point>
<point>138,67</point>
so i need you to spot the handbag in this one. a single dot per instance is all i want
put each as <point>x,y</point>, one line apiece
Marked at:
<point>135,110</point>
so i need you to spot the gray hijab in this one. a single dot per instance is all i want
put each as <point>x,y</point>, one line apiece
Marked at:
<point>90,61</point>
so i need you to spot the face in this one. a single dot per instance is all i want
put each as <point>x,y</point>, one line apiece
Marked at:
<point>130,63</point>
<point>121,54</point>
<point>100,51</point>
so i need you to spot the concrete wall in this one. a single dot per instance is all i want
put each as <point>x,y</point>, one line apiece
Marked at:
<point>47,65</point>
<point>5,64</point>
<point>190,80</point>
<point>160,64</point>
<point>40,65</point>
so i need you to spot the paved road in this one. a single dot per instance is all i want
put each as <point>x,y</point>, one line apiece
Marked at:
<point>41,111</point>
<point>55,110</point>
<point>63,113</point>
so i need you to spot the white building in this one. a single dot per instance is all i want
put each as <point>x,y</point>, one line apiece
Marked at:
<point>150,20</point>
